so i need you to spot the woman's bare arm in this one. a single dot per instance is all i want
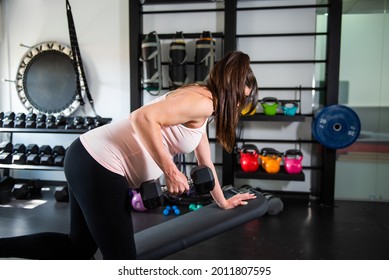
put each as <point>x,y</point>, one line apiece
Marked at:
<point>179,108</point>
<point>203,155</point>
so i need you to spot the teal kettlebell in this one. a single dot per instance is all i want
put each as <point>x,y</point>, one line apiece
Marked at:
<point>269,105</point>
<point>289,108</point>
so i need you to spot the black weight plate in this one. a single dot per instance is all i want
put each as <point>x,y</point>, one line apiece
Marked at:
<point>336,127</point>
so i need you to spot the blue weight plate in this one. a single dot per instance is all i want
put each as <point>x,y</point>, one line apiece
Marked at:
<point>336,127</point>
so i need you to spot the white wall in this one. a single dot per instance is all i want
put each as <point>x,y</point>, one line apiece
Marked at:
<point>365,65</point>
<point>365,58</point>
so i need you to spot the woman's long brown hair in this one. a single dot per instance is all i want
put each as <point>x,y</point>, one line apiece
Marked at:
<point>227,82</point>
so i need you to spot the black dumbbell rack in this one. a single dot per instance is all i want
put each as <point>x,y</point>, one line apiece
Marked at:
<point>61,129</point>
<point>8,166</point>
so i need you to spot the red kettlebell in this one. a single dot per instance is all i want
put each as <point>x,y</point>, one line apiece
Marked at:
<point>292,161</point>
<point>249,158</point>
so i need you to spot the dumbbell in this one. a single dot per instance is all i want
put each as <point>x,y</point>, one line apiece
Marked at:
<point>20,120</point>
<point>99,121</point>
<point>194,207</point>
<point>61,194</point>
<point>50,122</point>
<point>19,154</point>
<point>201,182</point>
<point>9,119</point>
<point>58,154</point>
<point>45,154</point>
<point>78,123</point>
<point>171,209</point>
<point>89,123</point>
<point>60,121</point>
<point>93,122</point>
<point>31,120</point>
<point>41,120</point>
<point>21,191</point>
<point>6,152</point>
<point>6,147</point>
<point>32,154</point>
<point>26,190</point>
<point>6,184</point>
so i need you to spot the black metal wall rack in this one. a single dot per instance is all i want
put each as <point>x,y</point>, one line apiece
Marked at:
<point>325,192</point>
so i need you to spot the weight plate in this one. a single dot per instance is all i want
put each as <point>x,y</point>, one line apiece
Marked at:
<point>336,127</point>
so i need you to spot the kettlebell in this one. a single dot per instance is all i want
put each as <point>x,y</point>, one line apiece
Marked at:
<point>249,158</point>
<point>269,105</point>
<point>289,108</point>
<point>136,201</point>
<point>246,111</point>
<point>293,161</point>
<point>271,160</point>
<point>264,153</point>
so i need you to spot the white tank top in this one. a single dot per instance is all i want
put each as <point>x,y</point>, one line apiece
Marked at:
<point>117,147</point>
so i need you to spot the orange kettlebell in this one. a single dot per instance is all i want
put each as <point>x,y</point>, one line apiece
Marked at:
<point>264,153</point>
<point>273,164</point>
<point>270,160</point>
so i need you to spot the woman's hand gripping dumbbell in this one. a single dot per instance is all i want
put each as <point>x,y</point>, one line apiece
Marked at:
<point>201,182</point>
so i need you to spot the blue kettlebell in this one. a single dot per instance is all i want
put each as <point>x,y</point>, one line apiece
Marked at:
<point>289,108</point>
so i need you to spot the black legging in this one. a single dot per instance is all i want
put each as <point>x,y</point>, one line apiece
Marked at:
<point>100,217</point>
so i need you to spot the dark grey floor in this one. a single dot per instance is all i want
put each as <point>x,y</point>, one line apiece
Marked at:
<point>351,230</point>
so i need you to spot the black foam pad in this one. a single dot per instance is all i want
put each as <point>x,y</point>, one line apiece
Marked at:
<point>184,231</point>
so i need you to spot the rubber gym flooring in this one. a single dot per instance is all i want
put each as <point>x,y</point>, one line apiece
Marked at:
<point>351,230</point>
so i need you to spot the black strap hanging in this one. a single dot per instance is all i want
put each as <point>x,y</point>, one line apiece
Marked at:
<point>152,64</point>
<point>177,61</point>
<point>77,61</point>
<point>205,56</point>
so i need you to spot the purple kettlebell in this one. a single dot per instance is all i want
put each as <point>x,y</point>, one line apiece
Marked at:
<point>137,203</point>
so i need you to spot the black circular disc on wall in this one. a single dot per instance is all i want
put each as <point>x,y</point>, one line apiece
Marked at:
<point>47,80</point>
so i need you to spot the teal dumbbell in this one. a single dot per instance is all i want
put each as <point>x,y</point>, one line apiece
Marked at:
<point>194,207</point>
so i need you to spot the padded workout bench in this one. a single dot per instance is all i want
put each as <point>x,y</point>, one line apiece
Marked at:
<point>184,231</point>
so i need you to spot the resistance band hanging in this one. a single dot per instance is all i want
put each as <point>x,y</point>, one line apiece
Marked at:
<point>177,65</point>
<point>204,56</point>
<point>152,66</point>
<point>77,61</point>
